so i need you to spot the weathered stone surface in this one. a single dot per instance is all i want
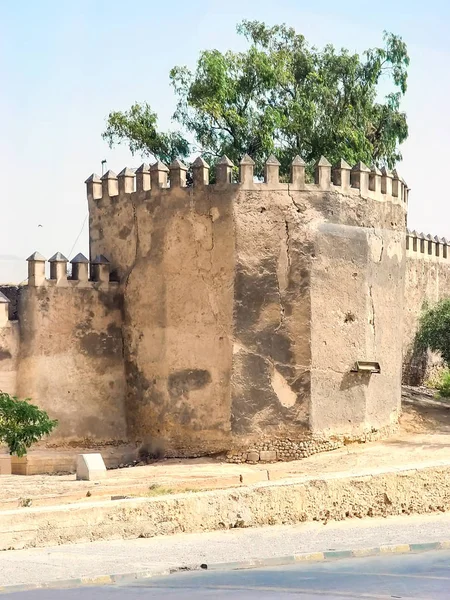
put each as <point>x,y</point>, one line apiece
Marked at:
<point>365,270</point>
<point>73,340</point>
<point>268,455</point>
<point>253,456</point>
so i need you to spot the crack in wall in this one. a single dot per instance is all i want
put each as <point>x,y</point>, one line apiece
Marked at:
<point>372,320</point>
<point>288,241</point>
<point>129,271</point>
<point>211,218</point>
<point>379,237</point>
<point>237,347</point>
<point>206,274</point>
<point>296,206</point>
<point>284,265</point>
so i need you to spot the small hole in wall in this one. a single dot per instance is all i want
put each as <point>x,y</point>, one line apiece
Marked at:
<point>354,275</point>
<point>349,317</point>
<point>262,209</point>
<point>114,276</point>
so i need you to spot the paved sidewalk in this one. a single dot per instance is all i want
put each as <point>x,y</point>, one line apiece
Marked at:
<point>158,554</point>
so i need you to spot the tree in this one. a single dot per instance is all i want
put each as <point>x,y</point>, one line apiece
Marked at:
<point>137,127</point>
<point>434,329</point>
<point>22,424</point>
<point>280,96</point>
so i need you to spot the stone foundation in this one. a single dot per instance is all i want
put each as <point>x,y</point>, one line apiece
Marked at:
<point>56,461</point>
<point>288,449</point>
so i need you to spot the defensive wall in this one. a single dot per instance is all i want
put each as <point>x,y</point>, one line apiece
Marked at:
<point>258,319</point>
<point>427,281</point>
<point>65,350</point>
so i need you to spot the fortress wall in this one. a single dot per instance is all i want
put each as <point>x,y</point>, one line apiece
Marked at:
<point>357,306</point>
<point>308,257</point>
<point>113,232</point>
<point>357,284</point>
<point>427,281</point>
<point>175,264</point>
<point>9,351</point>
<point>227,317</point>
<point>178,322</point>
<point>9,338</point>
<point>271,343</point>
<point>231,289</point>
<point>70,359</point>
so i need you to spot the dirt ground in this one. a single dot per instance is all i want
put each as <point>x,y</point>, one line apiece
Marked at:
<point>424,437</point>
<point>422,412</point>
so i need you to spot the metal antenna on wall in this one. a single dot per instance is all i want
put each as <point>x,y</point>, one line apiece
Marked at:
<point>103,166</point>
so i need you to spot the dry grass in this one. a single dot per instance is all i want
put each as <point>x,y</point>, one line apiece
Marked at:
<point>159,490</point>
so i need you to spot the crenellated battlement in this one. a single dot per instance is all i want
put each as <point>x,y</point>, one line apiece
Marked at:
<point>143,183</point>
<point>427,247</point>
<point>85,274</point>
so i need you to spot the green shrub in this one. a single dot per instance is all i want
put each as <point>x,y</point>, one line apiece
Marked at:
<point>443,385</point>
<point>434,329</point>
<point>22,424</point>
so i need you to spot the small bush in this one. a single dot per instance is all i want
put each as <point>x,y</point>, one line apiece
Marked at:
<point>443,385</point>
<point>434,329</point>
<point>22,424</point>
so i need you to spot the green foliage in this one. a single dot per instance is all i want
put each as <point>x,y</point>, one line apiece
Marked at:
<point>138,127</point>
<point>434,329</point>
<point>22,424</point>
<point>443,385</point>
<point>284,96</point>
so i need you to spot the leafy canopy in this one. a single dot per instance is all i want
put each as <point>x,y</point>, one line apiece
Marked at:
<point>434,329</point>
<point>280,96</point>
<point>22,424</point>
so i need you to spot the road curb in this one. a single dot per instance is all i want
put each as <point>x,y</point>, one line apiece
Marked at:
<point>123,578</point>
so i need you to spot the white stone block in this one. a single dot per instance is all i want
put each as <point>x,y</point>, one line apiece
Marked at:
<point>90,467</point>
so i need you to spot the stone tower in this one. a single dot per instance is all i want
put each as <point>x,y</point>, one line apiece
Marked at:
<point>256,316</point>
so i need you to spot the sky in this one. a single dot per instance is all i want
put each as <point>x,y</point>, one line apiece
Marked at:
<point>65,65</point>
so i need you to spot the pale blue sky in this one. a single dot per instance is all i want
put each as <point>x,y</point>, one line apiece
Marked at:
<point>64,65</point>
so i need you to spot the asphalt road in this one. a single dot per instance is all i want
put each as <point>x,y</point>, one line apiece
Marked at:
<point>156,555</point>
<point>423,576</point>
